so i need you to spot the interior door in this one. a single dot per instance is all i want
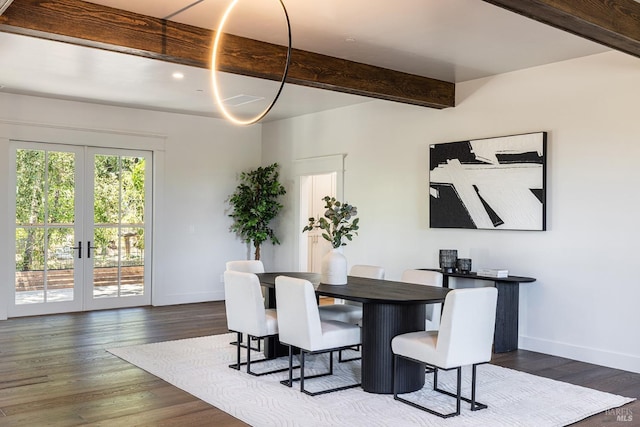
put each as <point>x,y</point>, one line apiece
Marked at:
<point>82,228</point>
<point>319,186</point>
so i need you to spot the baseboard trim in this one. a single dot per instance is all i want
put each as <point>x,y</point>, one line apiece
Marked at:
<point>626,362</point>
<point>188,298</point>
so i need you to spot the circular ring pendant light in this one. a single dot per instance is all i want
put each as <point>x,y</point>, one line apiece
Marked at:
<point>214,69</point>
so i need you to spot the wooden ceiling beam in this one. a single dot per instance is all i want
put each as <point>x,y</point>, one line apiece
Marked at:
<point>613,23</point>
<point>93,25</point>
<point>4,4</point>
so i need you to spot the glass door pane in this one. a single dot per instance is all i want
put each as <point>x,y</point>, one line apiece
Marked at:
<point>45,233</point>
<point>120,200</point>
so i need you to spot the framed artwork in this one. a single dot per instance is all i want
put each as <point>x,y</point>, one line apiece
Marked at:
<point>491,184</point>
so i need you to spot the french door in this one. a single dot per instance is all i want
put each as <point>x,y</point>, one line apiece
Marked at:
<point>82,228</point>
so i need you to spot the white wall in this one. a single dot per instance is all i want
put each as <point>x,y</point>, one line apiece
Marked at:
<point>584,303</point>
<point>197,162</point>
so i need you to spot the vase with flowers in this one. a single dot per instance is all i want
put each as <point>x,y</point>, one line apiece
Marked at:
<point>339,223</point>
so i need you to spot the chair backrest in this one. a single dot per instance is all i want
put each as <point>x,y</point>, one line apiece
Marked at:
<point>422,277</point>
<point>468,321</point>
<point>298,317</point>
<point>246,266</point>
<point>244,303</point>
<point>431,278</point>
<point>368,271</point>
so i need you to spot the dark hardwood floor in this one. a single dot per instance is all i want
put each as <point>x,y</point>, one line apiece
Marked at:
<point>55,371</point>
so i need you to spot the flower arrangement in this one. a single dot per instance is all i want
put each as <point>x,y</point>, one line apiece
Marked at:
<point>338,222</point>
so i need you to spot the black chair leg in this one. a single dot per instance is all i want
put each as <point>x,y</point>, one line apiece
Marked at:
<point>290,383</point>
<point>458,395</point>
<point>394,376</point>
<point>302,370</point>
<point>303,378</point>
<point>239,340</point>
<point>458,391</point>
<point>341,360</point>
<point>248,354</point>
<point>475,406</point>
<point>473,388</point>
<point>248,363</point>
<point>237,343</point>
<point>435,378</point>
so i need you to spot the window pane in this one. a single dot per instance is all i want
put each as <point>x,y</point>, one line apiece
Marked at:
<point>61,188</point>
<point>107,189</point>
<point>106,262</point>
<point>133,190</point>
<point>60,255</point>
<point>30,283</point>
<point>132,280</point>
<point>30,186</point>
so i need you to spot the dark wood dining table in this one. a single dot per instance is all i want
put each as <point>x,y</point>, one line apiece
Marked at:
<point>389,308</point>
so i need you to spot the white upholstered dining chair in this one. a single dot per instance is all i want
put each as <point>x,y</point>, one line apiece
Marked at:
<point>246,314</point>
<point>351,311</point>
<point>247,266</point>
<point>300,326</point>
<point>465,338</point>
<point>431,278</point>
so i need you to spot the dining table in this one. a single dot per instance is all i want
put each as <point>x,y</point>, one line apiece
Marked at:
<point>389,308</point>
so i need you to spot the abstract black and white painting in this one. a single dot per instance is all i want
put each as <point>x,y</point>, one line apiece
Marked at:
<point>493,183</point>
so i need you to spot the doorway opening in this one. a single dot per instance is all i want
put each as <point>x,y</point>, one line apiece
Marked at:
<point>313,189</point>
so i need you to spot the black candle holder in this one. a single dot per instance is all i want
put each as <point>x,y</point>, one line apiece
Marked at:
<point>448,259</point>
<point>464,265</point>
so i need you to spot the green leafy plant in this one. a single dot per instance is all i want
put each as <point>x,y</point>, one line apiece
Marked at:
<point>337,222</point>
<point>255,204</point>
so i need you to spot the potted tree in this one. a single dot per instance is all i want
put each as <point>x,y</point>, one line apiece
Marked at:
<point>254,204</point>
<point>338,223</point>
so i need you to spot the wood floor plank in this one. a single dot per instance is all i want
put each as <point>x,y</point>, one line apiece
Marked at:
<point>582,374</point>
<point>55,370</point>
<point>125,405</point>
<point>169,415</point>
<point>19,381</point>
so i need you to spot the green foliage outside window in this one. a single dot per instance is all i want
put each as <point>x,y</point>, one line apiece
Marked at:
<point>45,195</point>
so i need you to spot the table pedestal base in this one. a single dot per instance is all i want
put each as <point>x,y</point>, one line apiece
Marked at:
<point>385,321</point>
<point>272,347</point>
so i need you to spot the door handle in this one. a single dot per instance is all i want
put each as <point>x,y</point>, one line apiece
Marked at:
<point>89,247</point>
<point>79,248</point>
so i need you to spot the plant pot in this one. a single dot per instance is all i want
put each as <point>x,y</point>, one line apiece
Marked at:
<point>333,270</point>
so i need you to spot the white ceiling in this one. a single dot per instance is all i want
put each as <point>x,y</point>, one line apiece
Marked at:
<point>453,40</point>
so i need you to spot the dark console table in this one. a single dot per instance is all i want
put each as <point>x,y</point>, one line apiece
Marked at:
<point>505,337</point>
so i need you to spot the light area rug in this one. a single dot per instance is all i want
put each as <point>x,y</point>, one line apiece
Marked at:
<point>200,367</point>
